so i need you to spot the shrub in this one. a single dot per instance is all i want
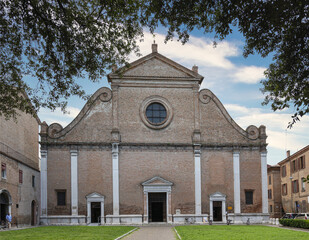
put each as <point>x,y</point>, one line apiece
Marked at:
<point>298,223</point>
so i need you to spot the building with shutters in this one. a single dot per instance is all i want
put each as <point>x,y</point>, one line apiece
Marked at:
<point>153,148</point>
<point>295,192</point>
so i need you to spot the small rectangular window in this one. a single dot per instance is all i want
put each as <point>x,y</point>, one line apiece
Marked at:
<point>3,170</point>
<point>284,189</point>
<point>283,171</point>
<point>33,181</point>
<point>295,186</point>
<point>294,166</point>
<point>269,194</point>
<point>249,196</point>
<point>20,176</point>
<point>271,208</point>
<point>269,179</point>
<point>61,199</point>
<point>302,162</point>
<point>303,184</point>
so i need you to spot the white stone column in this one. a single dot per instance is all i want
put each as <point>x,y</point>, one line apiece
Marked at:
<point>236,172</point>
<point>115,156</point>
<point>197,172</point>
<point>88,212</point>
<point>223,212</point>
<point>211,209</point>
<point>169,202</point>
<point>145,207</point>
<point>74,182</point>
<point>264,182</point>
<point>43,182</point>
<point>102,212</point>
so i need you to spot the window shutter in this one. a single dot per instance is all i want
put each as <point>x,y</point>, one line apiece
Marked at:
<point>304,159</point>
<point>20,176</point>
<point>297,186</point>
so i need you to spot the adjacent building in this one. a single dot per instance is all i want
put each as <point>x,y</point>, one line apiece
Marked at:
<point>153,148</point>
<point>274,191</point>
<point>295,192</point>
<point>20,175</point>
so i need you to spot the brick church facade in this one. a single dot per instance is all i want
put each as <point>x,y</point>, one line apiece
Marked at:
<point>153,148</point>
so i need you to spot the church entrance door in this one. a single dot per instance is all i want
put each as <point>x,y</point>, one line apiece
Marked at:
<point>4,206</point>
<point>157,207</point>
<point>95,212</point>
<point>217,211</point>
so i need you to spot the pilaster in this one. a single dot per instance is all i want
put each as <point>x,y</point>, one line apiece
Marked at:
<point>196,108</point>
<point>74,182</point>
<point>145,220</point>
<point>115,106</point>
<point>264,182</point>
<point>115,157</point>
<point>236,173</point>
<point>43,182</point>
<point>197,173</point>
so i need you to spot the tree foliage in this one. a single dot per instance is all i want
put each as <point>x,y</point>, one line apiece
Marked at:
<point>279,27</point>
<point>58,41</point>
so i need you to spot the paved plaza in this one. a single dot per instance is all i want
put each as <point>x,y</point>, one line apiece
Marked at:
<point>152,233</point>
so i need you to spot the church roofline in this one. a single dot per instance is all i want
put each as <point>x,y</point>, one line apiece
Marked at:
<point>119,72</point>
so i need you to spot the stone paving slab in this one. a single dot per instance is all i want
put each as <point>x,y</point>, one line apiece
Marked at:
<point>152,233</point>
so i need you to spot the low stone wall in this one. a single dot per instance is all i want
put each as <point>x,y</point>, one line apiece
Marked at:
<point>243,218</point>
<point>63,220</point>
<point>249,218</point>
<point>190,218</point>
<point>124,219</point>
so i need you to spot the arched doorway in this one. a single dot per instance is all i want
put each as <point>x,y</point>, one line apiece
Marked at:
<point>5,205</point>
<point>33,212</point>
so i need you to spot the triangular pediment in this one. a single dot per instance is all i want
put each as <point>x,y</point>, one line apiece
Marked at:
<point>94,195</point>
<point>155,65</point>
<point>157,181</point>
<point>158,68</point>
<point>217,196</point>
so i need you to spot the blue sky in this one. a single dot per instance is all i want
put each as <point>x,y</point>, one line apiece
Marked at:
<point>235,80</point>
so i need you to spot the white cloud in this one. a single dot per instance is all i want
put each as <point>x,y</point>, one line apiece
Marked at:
<point>279,137</point>
<point>199,51</point>
<point>249,74</point>
<point>58,116</point>
<point>237,109</point>
<point>214,63</point>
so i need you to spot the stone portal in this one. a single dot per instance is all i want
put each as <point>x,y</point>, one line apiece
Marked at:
<point>157,207</point>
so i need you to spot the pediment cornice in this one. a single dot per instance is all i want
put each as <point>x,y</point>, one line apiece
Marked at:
<point>157,181</point>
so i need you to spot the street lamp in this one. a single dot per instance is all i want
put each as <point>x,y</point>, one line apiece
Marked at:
<point>291,194</point>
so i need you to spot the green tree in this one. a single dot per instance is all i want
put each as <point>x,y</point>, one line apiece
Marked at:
<point>280,27</point>
<point>306,179</point>
<point>58,41</point>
